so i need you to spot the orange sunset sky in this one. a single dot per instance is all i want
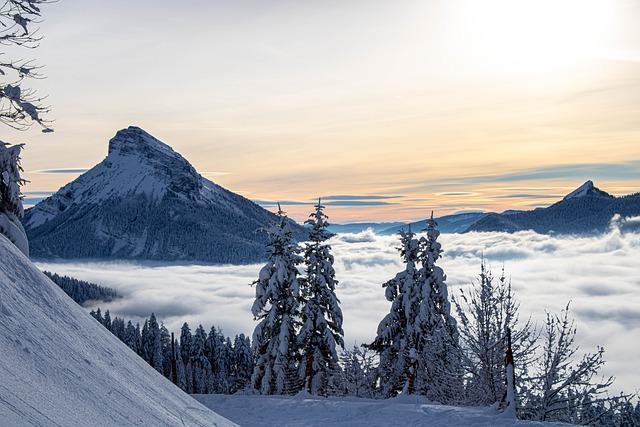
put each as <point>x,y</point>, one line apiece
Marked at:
<point>387,109</point>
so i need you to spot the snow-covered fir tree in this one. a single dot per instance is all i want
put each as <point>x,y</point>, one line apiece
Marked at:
<point>276,306</point>
<point>439,374</point>
<point>186,339</point>
<point>132,337</point>
<point>10,179</point>
<point>321,327</point>
<point>167,356</point>
<point>151,349</point>
<point>221,359</point>
<point>418,339</point>
<point>396,336</point>
<point>200,365</point>
<point>107,320</point>
<point>242,363</point>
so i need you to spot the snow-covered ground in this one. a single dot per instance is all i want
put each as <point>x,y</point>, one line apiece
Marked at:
<point>59,367</point>
<point>249,411</point>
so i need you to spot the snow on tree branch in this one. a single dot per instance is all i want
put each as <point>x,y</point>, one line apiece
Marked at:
<point>20,107</point>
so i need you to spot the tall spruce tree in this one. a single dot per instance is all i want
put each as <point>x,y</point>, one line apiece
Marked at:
<point>165,340</point>
<point>242,363</point>
<point>186,339</point>
<point>439,372</point>
<point>200,365</point>
<point>154,344</point>
<point>395,341</point>
<point>132,337</point>
<point>418,339</point>
<point>277,308</point>
<point>321,314</point>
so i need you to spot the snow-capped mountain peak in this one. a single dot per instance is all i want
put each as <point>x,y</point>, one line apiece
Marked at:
<point>146,201</point>
<point>137,164</point>
<point>588,189</point>
<point>136,140</point>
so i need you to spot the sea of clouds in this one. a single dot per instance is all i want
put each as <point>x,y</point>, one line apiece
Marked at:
<point>599,275</point>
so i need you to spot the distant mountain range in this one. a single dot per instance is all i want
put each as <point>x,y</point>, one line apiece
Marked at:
<point>145,201</point>
<point>457,223</point>
<point>586,210</point>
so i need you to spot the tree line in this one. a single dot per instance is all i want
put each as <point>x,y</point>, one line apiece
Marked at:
<point>197,362</point>
<point>80,291</point>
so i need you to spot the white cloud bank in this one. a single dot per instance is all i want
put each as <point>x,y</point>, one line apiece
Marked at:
<point>599,275</point>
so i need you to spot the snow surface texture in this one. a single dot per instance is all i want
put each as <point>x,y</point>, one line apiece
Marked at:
<point>145,201</point>
<point>11,228</point>
<point>300,411</point>
<point>59,367</point>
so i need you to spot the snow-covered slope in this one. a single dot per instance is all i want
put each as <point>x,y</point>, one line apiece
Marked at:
<point>258,411</point>
<point>145,201</point>
<point>12,229</point>
<point>588,189</point>
<point>59,367</point>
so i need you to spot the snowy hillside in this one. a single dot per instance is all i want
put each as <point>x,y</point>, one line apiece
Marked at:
<point>257,411</point>
<point>145,201</point>
<point>58,366</point>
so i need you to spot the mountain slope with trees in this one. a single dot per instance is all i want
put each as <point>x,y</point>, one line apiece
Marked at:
<point>586,210</point>
<point>144,201</point>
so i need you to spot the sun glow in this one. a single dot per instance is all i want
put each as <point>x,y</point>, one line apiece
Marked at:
<point>533,36</point>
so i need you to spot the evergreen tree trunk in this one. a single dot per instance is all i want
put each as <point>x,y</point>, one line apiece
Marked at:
<point>309,372</point>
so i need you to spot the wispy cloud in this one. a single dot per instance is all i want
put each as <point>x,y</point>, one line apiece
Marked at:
<point>529,196</point>
<point>358,203</point>
<point>344,197</point>
<point>68,171</point>
<point>214,173</point>
<point>271,203</point>
<point>578,172</point>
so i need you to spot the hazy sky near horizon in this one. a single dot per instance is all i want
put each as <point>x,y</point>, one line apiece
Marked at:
<point>397,108</point>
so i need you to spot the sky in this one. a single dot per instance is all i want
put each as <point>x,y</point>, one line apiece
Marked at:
<point>393,109</point>
<point>597,275</point>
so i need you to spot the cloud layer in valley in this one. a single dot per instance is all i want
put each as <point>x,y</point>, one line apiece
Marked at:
<point>599,275</point>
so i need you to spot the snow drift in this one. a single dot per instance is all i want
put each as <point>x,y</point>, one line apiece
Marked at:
<point>58,366</point>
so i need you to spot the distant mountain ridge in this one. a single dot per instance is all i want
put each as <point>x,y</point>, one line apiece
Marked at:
<point>145,201</point>
<point>585,210</point>
<point>455,223</point>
